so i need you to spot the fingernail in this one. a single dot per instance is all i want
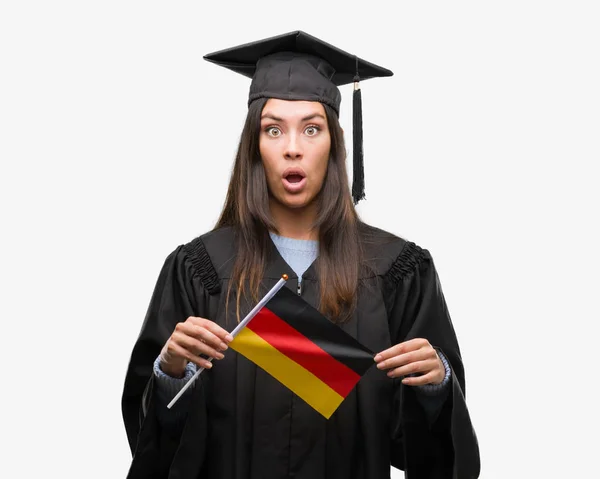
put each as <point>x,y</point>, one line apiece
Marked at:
<point>207,365</point>
<point>378,358</point>
<point>381,365</point>
<point>219,355</point>
<point>229,337</point>
<point>223,346</point>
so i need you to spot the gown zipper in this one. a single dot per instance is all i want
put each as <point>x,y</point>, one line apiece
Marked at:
<point>299,287</point>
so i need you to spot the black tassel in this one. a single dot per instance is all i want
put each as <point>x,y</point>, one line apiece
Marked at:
<point>358,174</point>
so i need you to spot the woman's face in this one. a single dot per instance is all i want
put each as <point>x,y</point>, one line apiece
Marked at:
<point>294,146</point>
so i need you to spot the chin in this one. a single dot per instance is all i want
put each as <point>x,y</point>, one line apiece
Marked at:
<point>294,201</point>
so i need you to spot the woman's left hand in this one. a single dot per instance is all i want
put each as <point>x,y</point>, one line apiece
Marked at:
<point>410,357</point>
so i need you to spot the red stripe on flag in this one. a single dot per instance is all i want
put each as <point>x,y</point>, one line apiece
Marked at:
<point>303,351</point>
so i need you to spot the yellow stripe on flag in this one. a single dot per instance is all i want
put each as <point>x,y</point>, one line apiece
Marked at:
<point>299,380</point>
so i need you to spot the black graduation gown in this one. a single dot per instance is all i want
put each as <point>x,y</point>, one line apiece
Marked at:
<point>240,423</point>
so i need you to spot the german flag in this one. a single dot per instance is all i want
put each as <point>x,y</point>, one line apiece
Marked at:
<point>306,352</point>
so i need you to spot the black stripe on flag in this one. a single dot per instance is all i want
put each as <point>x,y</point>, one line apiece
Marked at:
<point>307,320</point>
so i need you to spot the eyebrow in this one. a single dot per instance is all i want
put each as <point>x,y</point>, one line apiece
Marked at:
<point>306,118</point>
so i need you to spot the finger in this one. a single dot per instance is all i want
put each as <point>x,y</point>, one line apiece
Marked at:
<point>202,334</point>
<point>194,346</point>
<point>419,380</point>
<point>402,348</point>
<point>389,353</point>
<point>402,359</point>
<point>213,327</point>
<point>176,349</point>
<point>413,368</point>
<point>421,354</point>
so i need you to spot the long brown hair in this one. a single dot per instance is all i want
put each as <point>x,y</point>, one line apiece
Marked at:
<point>246,209</point>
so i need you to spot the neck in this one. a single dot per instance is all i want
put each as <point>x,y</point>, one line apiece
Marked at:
<point>295,223</point>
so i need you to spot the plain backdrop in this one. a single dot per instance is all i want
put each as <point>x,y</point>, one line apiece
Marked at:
<point>116,144</point>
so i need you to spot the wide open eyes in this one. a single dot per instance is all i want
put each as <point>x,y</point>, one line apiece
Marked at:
<point>275,132</point>
<point>312,130</point>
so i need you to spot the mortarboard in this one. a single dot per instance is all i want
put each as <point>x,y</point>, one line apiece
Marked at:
<point>298,66</point>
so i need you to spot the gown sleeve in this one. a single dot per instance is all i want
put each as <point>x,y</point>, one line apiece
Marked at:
<point>448,447</point>
<point>177,295</point>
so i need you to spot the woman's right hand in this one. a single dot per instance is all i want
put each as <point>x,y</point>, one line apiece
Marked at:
<point>191,338</point>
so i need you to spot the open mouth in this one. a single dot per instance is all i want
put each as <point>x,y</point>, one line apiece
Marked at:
<point>294,175</point>
<point>294,179</point>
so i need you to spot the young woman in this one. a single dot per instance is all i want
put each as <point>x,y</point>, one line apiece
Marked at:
<point>289,209</point>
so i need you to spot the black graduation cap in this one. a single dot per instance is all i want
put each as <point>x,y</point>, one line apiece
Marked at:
<point>298,66</point>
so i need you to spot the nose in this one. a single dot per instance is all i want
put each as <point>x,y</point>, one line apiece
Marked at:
<point>293,149</point>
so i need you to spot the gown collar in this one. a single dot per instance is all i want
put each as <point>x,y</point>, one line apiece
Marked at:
<point>277,266</point>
